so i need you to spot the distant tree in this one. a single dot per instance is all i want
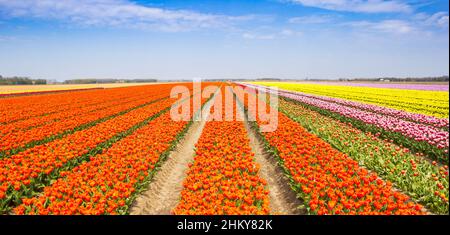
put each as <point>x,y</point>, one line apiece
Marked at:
<point>20,81</point>
<point>40,82</point>
<point>108,80</point>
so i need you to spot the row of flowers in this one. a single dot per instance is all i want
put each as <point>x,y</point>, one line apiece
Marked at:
<point>109,182</point>
<point>10,94</point>
<point>223,179</point>
<point>424,181</point>
<point>432,141</point>
<point>15,109</point>
<point>328,181</point>
<point>431,103</point>
<point>29,137</point>
<point>401,114</point>
<point>23,174</point>
<point>403,86</point>
<point>77,109</point>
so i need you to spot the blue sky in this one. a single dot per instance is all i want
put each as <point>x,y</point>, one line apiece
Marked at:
<point>184,39</point>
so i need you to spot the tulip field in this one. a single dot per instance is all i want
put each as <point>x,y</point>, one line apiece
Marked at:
<point>335,149</point>
<point>408,150</point>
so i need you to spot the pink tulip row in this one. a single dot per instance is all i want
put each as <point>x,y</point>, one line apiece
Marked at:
<point>416,117</point>
<point>416,131</point>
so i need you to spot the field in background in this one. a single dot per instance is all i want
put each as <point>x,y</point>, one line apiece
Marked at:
<point>45,88</point>
<point>424,99</point>
<point>427,86</point>
<point>336,149</point>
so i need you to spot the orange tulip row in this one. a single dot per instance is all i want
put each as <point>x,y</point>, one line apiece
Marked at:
<point>21,173</point>
<point>21,108</point>
<point>20,138</point>
<point>77,108</point>
<point>14,109</point>
<point>329,181</point>
<point>223,179</point>
<point>108,183</point>
<point>27,137</point>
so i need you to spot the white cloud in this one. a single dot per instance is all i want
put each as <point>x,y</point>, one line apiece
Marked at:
<point>312,19</point>
<point>439,19</point>
<point>289,32</point>
<point>117,13</point>
<point>443,21</point>
<point>259,36</point>
<point>385,26</point>
<point>285,33</point>
<point>6,38</point>
<point>366,6</point>
<point>419,24</point>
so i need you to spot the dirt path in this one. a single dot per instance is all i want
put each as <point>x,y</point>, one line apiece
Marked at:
<point>163,193</point>
<point>283,200</point>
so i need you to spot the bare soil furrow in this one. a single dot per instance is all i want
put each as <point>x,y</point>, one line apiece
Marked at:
<point>283,200</point>
<point>164,191</point>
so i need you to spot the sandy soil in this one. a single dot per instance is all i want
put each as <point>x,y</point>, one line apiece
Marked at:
<point>39,88</point>
<point>163,193</point>
<point>283,200</point>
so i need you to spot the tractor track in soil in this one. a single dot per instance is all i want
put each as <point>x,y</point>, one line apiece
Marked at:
<point>164,192</point>
<point>283,200</point>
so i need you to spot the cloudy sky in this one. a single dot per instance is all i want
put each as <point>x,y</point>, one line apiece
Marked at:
<point>173,39</point>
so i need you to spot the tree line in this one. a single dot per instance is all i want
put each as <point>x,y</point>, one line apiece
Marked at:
<point>21,81</point>
<point>101,81</point>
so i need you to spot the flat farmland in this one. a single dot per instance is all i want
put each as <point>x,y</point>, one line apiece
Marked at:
<point>17,89</point>
<point>223,148</point>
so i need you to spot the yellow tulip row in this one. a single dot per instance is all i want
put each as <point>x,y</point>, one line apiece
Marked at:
<point>433,103</point>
